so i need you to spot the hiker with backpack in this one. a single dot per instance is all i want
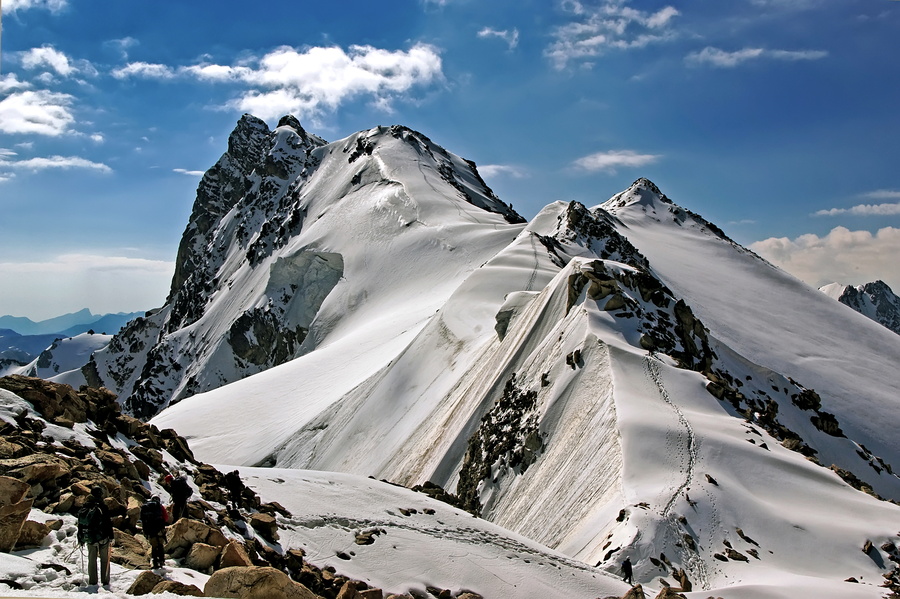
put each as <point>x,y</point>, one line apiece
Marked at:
<point>154,518</point>
<point>95,529</point>
<point>180,491</point>
<point>235,487</point>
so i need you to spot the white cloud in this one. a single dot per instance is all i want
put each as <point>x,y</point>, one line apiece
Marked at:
<point>144,70</point>
<point>510,37</point>
<point>187,172</point>
<point>51,5</point>
<point>863,210</point>
<point>882,194</point>
<point>74,281</point>
<point>724,59</point>
<point>97,138</point>
<point>48,56</point>
<point>843,256</point>
<point>496,170</point>
<point>41,112</point>
<point>309,82</point>
<point>122,45</point>
<point>11,83</point>
<point>54,162</point>
<point>610,25</point>
<point>610,161</point>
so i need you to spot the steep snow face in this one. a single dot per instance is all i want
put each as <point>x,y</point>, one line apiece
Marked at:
<point>874,300</point>
<point>771,319</point>
<point>294,243</point>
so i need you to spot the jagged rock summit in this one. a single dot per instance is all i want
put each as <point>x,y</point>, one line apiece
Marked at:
<point>874,300</point>
<point>281,221</point>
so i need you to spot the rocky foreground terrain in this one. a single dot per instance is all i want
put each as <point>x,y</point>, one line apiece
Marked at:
<point>57,443</point>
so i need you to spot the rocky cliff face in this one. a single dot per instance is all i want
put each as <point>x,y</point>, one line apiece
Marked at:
<point>254,266</point>
<point>875,300</point>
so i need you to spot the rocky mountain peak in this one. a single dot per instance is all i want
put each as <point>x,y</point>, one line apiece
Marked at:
<point>875,300</point>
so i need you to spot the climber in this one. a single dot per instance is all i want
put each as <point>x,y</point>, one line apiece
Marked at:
<point>95,529</point>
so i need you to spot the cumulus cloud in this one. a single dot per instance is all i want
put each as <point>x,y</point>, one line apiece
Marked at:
<point>724,59</point>
<point>614,159</point>
<point>144,70</point>
<point>41,112</point>
<point>310,81</point>
<point>44,289</point>
<point>495,170</point>
<point>510,37</point>
<point>610,25</point>
<point>48,57</point>
<point>842,256</point>
<point>863,210</point>
<point>51,5</point>
<point>54,162</point>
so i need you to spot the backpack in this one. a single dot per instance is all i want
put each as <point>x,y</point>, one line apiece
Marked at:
<point>181,490</point>
<point>152,517</point>
<point>91,524</point>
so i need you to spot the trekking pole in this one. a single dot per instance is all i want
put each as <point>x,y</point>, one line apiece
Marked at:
<point>83,571</point>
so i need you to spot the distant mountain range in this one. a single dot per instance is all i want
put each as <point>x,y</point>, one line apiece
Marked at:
<point>22,339</point>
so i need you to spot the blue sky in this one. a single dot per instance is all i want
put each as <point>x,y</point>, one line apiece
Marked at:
<point>776,119</point>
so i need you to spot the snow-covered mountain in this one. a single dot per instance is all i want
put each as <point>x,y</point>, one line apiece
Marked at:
<point>63,359</point>
<point>875,300</point>
<point>607,381</point>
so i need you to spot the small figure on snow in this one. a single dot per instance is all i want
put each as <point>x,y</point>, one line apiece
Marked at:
<point>96,530</point>
<point>235,487</point>
<point>180,491</point>
<point>626,569</point>
<point>154,518</point>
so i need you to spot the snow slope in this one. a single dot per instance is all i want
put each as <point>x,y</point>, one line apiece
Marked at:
<point>566,391</point>
<point>63,359</point>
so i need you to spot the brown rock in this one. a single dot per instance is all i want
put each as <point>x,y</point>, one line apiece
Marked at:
<point>12,490</point>
<point>144,583</point>
<point>12,517</point>
<point>255,583</point>
<point>185,533</point>
<point>201,557</point>
<point>129,551</point>
<point>265,525</point>
<point>234,554</point>
<point>32,534</point>
<point>354,589</point>
<point>177,588</point>
<point>635,592</point>
<point>668,593</point>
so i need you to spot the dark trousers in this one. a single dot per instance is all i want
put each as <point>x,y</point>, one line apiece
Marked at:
<point>98,551</point>
<point>157,549</point>
<point>178,508</point>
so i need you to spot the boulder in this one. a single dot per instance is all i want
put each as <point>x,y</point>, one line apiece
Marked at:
<point>234,554</point>
<point>177,588</point>
<point>144,583</point>
<point>129,551</point>
<point>12,517</point>
<point>185,533</point>
<point>669,593</point>
<point>635,592</point>
<point>32,534</point>
<point>354,589</point>
<point>12,490</point>
<point>255,582</point>
<point>201,557</point>
<point>265,525</point>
